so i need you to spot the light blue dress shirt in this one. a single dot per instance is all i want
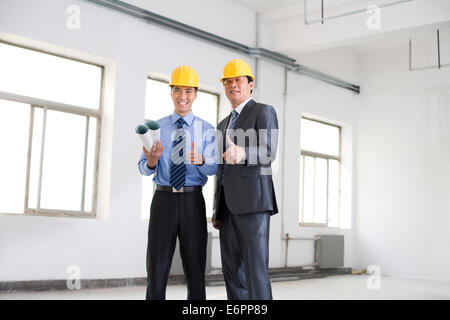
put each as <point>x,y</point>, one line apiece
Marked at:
<point>197,130</point>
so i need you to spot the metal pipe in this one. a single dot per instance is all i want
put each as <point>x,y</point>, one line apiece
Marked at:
<point>172,25</point>
<point>286,250</point>
<point>300,238</point>
<point>283,149</point>
<point>438,66</point>
<point>287,238</point>
<point>347,13</point>
<point>322,20</point>
<point>410,55</point>
<point>305,10</point>
<point>303,70</point>
<point>439,50</point>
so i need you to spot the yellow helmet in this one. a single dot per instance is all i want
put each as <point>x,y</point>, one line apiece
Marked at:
<point>184,76</point>
<point>236,68</point>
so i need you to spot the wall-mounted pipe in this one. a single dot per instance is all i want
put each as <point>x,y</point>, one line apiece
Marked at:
<point>438,66</point>
<point>287,238</point>
<point>153,18</point>
<point>323,19</point>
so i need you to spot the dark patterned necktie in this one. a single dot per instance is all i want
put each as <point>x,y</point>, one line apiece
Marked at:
<point>178,167</point>
<point>234,116</point>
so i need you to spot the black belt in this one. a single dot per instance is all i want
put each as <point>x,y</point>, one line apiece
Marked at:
<point>182,189</point>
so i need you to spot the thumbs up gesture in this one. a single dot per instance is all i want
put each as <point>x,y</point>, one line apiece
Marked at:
<point>194,157</point>
<point>234,154</point>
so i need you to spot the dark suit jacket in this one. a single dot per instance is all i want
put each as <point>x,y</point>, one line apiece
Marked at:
<point>248,186</point>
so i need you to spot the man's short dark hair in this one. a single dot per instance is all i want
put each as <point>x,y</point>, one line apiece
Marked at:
<point>250,80</point>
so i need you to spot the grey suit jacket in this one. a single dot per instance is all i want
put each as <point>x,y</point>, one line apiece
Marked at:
<point>248,186</point>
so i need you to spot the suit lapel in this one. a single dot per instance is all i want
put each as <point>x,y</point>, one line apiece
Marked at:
<point>244,114</point>
<point>224,125</point>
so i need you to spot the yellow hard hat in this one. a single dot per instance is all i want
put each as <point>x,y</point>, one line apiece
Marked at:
<point>184,76</point>
<point>236,68</point>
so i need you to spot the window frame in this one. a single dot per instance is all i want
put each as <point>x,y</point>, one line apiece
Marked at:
<point>67,108</point>
<point>327,157</point>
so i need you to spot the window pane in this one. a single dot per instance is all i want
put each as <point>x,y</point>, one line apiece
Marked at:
<point>44,76</point>
<point>62,172</point>
<point>205,107</point>
<point>320,192</point>
<point>158,103</point>
<point>333,193</point>
<point>208,194</point>
<point>147,196</point>
<point>14,129</point>
<point>319,137</point>
<point>308,191</point>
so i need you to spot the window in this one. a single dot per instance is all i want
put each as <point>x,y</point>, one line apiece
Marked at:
<point>159,105</point>
<point>319,173</point>
<point>50,114</point>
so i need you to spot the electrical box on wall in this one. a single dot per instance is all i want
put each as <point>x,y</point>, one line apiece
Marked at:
<point>329,251</point>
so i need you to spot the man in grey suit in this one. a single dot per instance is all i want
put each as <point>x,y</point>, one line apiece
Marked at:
<point>245,197</point>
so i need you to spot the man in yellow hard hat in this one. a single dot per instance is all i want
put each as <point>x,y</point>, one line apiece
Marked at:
<point>245,196</point>
<point>178,210</point>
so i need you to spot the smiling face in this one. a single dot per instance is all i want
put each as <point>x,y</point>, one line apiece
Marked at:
<point>182,98</point>
<point>238,89</point>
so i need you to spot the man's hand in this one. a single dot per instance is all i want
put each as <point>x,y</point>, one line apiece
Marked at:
<point>194,157</point>
<point>154,154</point>
<point>215,223</point>
<point>234,154</point>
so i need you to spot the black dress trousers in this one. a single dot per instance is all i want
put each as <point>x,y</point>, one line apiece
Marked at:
<point>244,246</point>
<point>172,215</point>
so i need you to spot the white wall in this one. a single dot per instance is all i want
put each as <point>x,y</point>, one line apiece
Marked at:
<point>403,171</point>
<point>223,18</point>
<point>316,99</point>
<point>43,247</point>
<point>33,248</point>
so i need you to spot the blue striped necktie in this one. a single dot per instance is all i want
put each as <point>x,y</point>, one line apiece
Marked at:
<point>178,166</point>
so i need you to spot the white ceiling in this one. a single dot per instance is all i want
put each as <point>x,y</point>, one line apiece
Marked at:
<point>265,5</point>
<point>312,5</point>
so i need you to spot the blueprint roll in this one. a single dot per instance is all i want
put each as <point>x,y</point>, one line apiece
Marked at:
<point>145,136</point>
<point>154,129</point>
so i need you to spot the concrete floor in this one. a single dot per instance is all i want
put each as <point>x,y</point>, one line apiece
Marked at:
<point>335,287</point>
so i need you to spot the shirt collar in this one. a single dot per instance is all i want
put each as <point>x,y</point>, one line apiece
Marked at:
<point>188,118</point>
<point>241,106</point>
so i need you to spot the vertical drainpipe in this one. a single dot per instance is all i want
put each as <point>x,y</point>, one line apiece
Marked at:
<point>256,92</point>
<point>283,153</point>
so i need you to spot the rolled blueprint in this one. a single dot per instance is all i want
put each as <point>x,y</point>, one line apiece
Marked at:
<point>154,129</point>
<point>145,135</point>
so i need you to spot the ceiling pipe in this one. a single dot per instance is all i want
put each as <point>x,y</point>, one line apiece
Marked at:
<point>323,19</point>
<point>172,25</point>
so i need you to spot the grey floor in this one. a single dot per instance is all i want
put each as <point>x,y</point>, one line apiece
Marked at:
<point>335,287</point>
